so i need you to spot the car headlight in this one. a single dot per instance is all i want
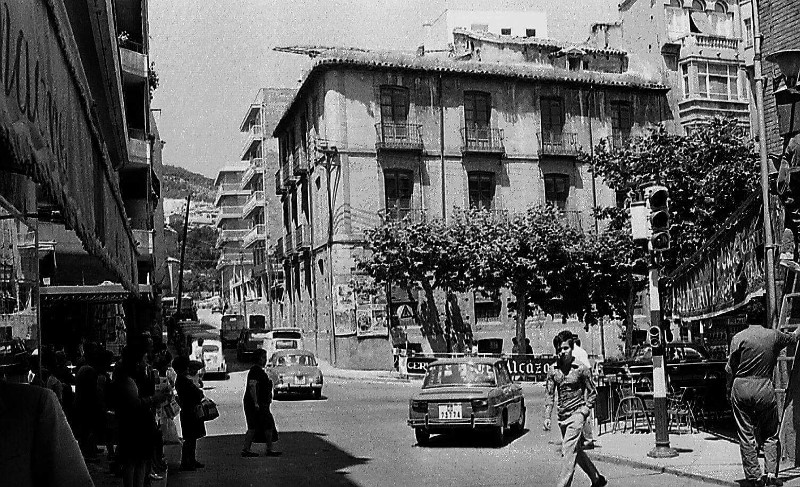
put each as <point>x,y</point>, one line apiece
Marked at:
<point>318,379</point>
<point>480,404</point>
<point>419,406</point>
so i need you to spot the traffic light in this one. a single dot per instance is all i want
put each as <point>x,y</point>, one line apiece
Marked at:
<point>654,336</point>
<point>657,202</point>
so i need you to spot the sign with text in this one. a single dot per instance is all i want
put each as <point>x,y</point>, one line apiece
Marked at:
<point>48,125</point>
<point>530,368</point>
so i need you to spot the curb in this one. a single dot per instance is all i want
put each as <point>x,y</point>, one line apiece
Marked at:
<point>670,470</point>
<point>380,379</point>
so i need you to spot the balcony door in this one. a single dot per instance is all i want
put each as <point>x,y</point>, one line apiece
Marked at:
<point>477,117</point>
<point>552,120</point>
<point>556,190</point>
<point>481,190</point>
<point>399,188</point>
<point>621,122</point>
<point>394,113</point>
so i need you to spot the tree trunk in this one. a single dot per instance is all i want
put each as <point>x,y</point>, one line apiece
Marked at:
<point>629,317</point>
<point>522,315</point>
<point>434,329</point>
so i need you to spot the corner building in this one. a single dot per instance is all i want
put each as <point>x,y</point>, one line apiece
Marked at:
<point>374,136</point>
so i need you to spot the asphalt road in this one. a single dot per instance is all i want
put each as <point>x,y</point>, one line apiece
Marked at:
<point>356,436</point>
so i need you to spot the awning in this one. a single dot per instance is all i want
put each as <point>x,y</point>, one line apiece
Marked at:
<point>100,293</point>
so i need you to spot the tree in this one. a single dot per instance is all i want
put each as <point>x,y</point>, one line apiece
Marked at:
<point>200,273</point>
<point>709,172</point>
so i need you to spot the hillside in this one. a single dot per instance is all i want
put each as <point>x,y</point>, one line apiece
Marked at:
<point>177,182</point>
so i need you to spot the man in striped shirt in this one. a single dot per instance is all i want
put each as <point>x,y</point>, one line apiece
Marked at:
<point>576,397</point>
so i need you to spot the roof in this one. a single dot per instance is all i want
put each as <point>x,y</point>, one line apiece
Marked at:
<point>401,60</point>
<point>536,41</point>
<point>468,360</point>
<point>293,351</point>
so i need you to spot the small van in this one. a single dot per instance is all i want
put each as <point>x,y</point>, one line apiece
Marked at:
<point>282,339</point>
<point>231,327</point>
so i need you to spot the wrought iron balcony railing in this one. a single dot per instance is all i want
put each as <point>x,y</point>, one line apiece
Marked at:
<point>405,215</point>
<point>256,200</point>
<point>398,136</point>
<point>302,237</point>
<point>256,168</point>
<point>287,172</point>
<point>288,245</point>
<point>482,140</point>
<point>255,234</point>
<point>554,143</point>
<point>233,235</point>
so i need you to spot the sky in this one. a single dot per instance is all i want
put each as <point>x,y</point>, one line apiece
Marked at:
<point>212,56</point>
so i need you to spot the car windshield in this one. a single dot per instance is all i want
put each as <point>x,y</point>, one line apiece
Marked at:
<point>287,334</point>
<point>210,348</point>
<point>465,374</point>
<point>296,360</point>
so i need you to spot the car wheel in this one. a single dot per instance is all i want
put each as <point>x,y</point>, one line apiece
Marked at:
<point>499,432</point>
<point>520,424</point>
<point>422,436</point>
<point>317,393</point>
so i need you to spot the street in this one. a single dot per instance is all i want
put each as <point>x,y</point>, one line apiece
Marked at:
<point>357,436</point>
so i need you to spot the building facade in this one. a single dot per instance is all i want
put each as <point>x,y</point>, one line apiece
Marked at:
<point>376,136</point>
<point>233,263</point>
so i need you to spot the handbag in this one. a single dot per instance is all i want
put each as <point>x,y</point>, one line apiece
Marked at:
<point>169,432</point>
<point>206,410</point>
<point>172,408</point>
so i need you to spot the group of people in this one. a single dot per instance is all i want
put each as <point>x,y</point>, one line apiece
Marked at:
<point>517,349</point>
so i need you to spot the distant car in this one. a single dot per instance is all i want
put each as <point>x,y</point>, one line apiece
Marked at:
<point>231,327</point>
<point>467,394</point>
<point>213,360</point>
<point>295,371</point>
<point>282,339</point>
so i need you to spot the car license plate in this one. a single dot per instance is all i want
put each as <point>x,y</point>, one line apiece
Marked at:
<point>449,411</point>
<point>300,380</point>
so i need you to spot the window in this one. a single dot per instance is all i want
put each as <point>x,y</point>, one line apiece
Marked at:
<point>552,116</point>
<point>477,109</point>
<point>685,74</point>
<point>698,6</point>
<point>481,189</point>
<point>505,32</point>
<point>394,104</point>
<point>721,7</point>
<point>574,64</point>
<point>556,190</point>
<point>621,122</point>
<point>748,32</point>
<point>399,186</point>
<point>530,32</point>
<point>487,311</point>
<point>718,81</point>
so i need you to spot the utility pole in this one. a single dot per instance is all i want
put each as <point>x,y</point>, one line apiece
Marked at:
<point>329,155</point>
<point>183,255</point>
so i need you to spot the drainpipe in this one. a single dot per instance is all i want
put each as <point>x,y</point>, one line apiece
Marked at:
<point>441,147</point>
<point>589,101</point>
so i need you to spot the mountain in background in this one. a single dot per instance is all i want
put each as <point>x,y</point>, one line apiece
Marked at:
<point>177,182</point>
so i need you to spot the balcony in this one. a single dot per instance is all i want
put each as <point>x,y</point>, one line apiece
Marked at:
<point>402,215</point>
<point>255,201</point>
<point>226,236</point>
<point>300,164</point>
<point>302,238</point>
<point>482,140</point>
<point>256,168</point>
<point>279,254</point>
<point>227,189</point>
<point>254,137</point>
<point>712,41</point>
<point>276,274</point>
<point>493,215</point>
<point>558,144</point>
<point>132,59</point>
<point>234,259</point>
<point>258,232</point>
<point>228,213</point>
<point>280,188</point>
<point>398,136</point>
<point>144,241</point>
<point>287,173</point>
<point>138,146</point>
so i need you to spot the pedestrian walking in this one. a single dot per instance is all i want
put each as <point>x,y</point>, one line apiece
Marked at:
<point>189,398</point>
<point>576,397</point>
<point>751,364</point>
<point>134,415</point>
<point>256,401</point>
<point>87,404</point>
<point>515,350</point>
<point>582,358</point>
<point>528,347</point>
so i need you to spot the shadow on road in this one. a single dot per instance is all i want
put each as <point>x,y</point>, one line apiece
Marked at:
<point>308,459</point>
<point>471,439</point>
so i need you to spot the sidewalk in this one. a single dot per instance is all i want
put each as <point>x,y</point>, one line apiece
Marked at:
<point>328,371</point>
<point>101,474</point>
<point>701,456</point>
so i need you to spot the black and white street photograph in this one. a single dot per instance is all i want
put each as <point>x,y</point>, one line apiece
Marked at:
<point>357,243</point>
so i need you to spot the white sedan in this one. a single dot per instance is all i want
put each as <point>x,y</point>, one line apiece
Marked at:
<point>212,358</point>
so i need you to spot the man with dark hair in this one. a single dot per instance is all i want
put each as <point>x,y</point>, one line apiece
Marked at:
<point>576,396</point>
<point>754,354</point>
<point>582,358</point>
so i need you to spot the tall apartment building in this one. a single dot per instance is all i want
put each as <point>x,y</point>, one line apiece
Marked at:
<point>692,46</point>
<point>376,136</point>
<point>234,263</point>
<point>83,156</point>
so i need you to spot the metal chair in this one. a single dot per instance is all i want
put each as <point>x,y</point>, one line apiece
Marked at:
<point>630,407</point>
<point>679,411</point>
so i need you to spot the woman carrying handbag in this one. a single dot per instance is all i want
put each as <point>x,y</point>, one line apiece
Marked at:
<point>189,398</point>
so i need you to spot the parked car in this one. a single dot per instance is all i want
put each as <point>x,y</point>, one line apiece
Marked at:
<point>230,328</point>
<point>213,359</point>
<point>14,358</point>
<point>467,393</point>
<point>282,339</point>
<point>295,371</point>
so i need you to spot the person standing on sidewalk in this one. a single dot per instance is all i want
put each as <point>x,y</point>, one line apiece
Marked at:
<point>582,358</point>
<point>256,401</point>
<point>576,396</point>
<point>193,428</point>
<point>754,354</point>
